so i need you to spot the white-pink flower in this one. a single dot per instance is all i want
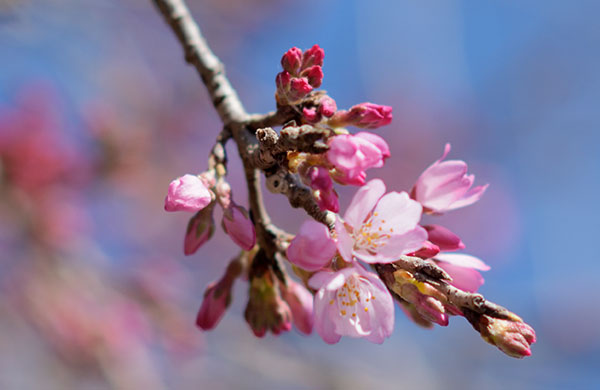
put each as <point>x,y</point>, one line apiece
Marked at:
<point>463,269</point>
<point>352,302</point>
<point>312,248</point>
<point>445,186</point>
<point>187,193</point>
<point>379,228</point>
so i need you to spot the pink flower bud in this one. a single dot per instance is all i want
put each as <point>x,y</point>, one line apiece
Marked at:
<point>365,115</point>
<point>312,248</point>
<point>282,81</point>
<point>239,227</point>
<point>187,193</point>
<point>314,74</point>
<point>223,190</point>
<point>320,181</point>
<point>445,186</point>
<point>200,229</point>
<point>443,238</point>
<point>292,60</point>
<point>217,298</point>
<point>311,115</point>
<point>266,310</point>
<point>428,251</point>
<point>427,306</point>
<point>300,301</point>
<point>299,88</point>
<point>327,106</point>
<point>313,56</point>
<point>512,338</point>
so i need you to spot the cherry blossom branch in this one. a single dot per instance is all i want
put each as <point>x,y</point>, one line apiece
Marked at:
<point>313,148</point>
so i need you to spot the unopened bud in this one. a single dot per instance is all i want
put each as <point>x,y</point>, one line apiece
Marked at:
<point>291,60</point>
<point>314,75</point>
<point>327,106</point>
<point>427,306</point>
<point>299,88</point>
<point>365,115</point>
<point>266,310</point>
<point>512,338</point>
<point>313,56</point>
<point>188,193</point>
<point>428,251</point>
<point>217,297</point>
<point>300,301</point>
<point>443,238</point>
<point>238,226</point>
<point>200,229</point>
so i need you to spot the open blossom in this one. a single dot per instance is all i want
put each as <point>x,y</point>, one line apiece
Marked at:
<point>379,228</point>
<point>352,155</point>
<point>187,193</point>
<point>463,269</point>
<point>446,186</point>
<point>238,226</point>
<point>312,248</point>
<point>352,302</point>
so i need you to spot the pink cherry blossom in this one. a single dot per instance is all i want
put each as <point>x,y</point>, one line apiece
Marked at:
<point>239,227</point>
<point>300,301</point>
<point>352,302</point>
<point>446,186</point>
<point>463,269</point>
<point>379,228</point>
<point>312,248</point>
<point>352,155</point>
<point>187,193</point>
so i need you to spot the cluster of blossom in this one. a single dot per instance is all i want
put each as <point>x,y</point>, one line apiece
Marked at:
<point>339,295</point>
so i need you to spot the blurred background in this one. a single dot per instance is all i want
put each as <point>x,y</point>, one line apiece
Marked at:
<point>99,112</point>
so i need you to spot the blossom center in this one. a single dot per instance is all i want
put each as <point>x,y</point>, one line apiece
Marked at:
<point>373,234</point>
<point>353,296</point>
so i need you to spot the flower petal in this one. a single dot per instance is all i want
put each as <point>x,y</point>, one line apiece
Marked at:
<point>363,202</point>
<point>463,260</point>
